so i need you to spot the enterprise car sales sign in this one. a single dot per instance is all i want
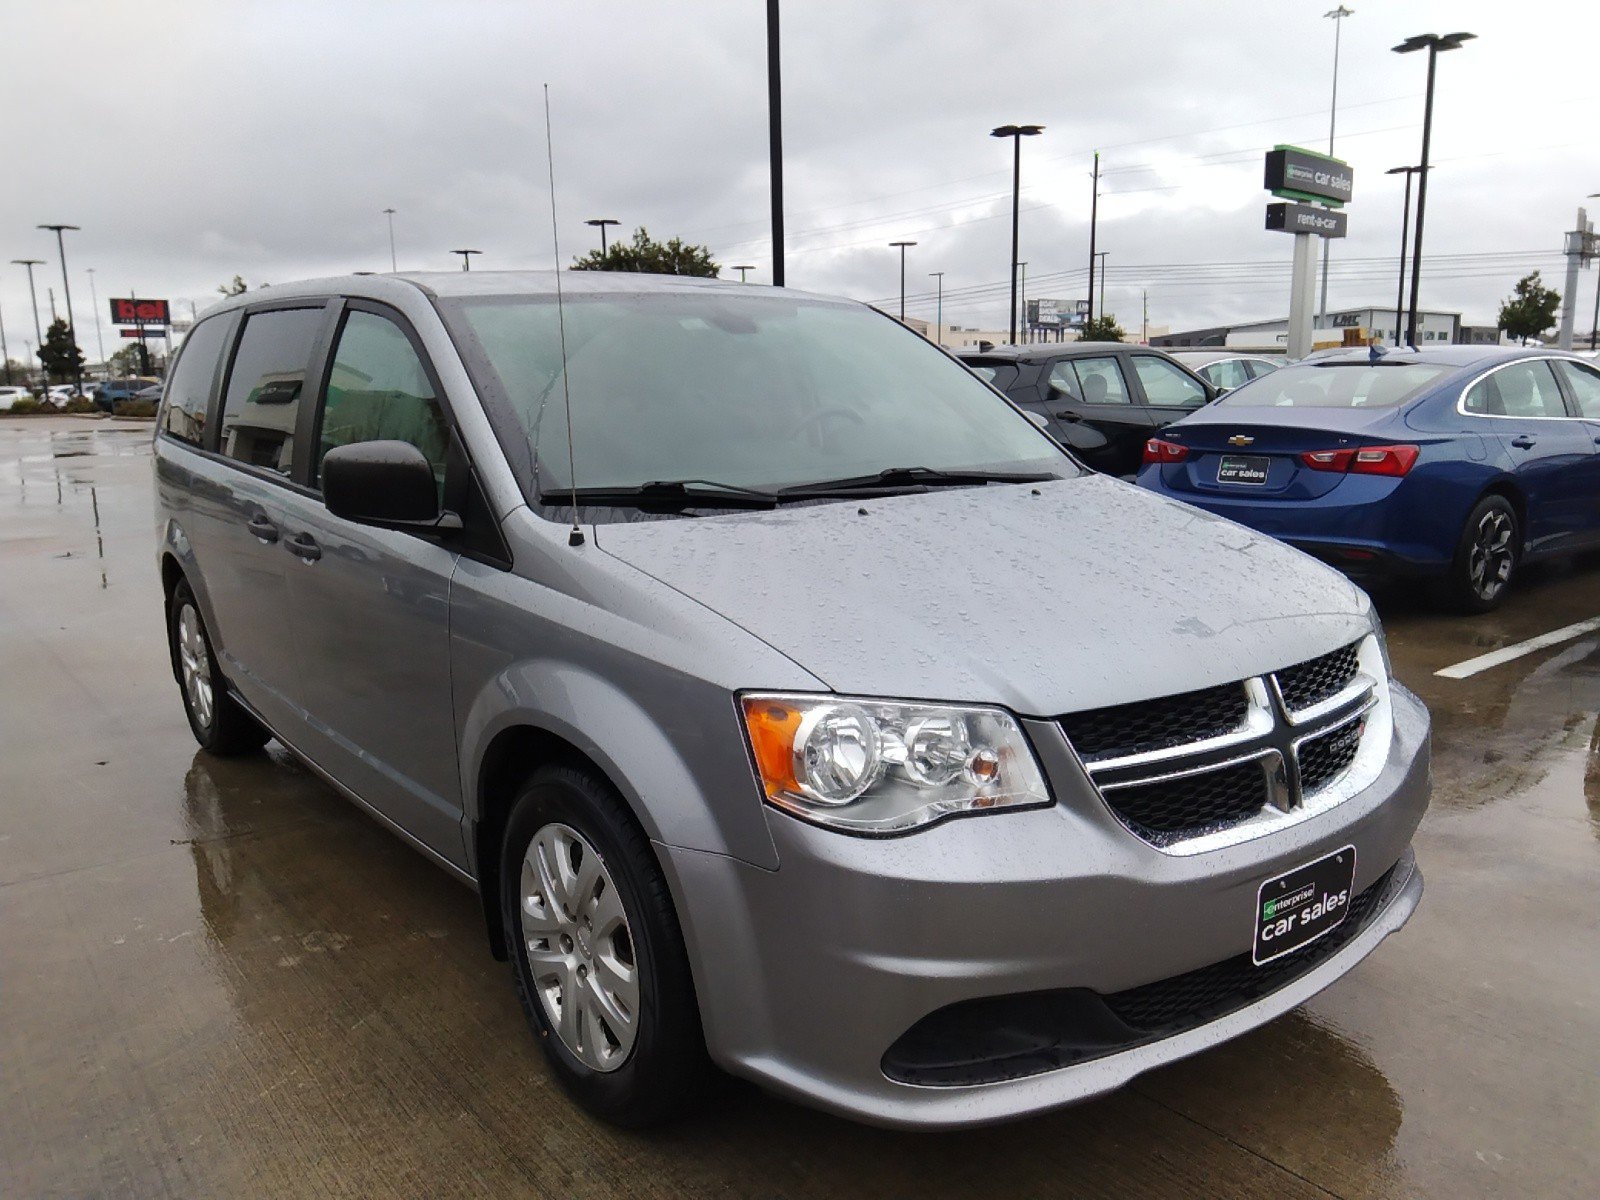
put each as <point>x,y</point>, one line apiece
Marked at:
<point>1296,174</point>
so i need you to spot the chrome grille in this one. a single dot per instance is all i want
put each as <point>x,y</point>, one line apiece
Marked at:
<point>1180,769</point>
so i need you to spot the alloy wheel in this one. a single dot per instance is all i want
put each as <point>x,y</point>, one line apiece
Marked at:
<point>579,947</point>
<point>194,661</point>
<point>1491,557</point>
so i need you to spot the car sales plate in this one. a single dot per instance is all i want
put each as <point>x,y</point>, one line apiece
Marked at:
<point>1242,468</point>
<point>1298,907</point>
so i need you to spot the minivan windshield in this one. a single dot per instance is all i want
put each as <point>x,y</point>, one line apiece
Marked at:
<point>1337,385</point>
<point>730,392</point>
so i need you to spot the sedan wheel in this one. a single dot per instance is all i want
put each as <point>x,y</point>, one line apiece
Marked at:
<point>580,947</point>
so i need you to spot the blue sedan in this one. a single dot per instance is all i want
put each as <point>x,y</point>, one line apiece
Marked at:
<point>1453,465</point>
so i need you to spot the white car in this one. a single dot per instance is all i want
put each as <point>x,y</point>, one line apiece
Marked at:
<point>10,395</point>
<point>60,393</point>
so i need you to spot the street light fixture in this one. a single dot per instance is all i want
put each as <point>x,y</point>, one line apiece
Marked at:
<point>742,268</point>
<point>1405,228</point>
<point>394,263</point>
<point>1434,44</point>
<point>902,246</point>
<point>466,258</point>
<point>72,329</point>
<point>601,223</point>
<point>38,335</point>
<point>1016,133</point>
<point>939,320</point>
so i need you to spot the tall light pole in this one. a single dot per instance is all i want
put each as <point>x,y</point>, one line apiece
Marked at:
<point>66,288</point>
<point>601,223</point>
<point>1016,133</point>
<point>5,350</point>
<point>1337,15</point>
<point>99,337</point>
<point>394,263</point>
<point>938,339</point>
<point>1022,294</point>
<point>466,258</point>
<point>903,246</point>
<point>1405,223</point>
<point>1433,43</point>
<point>742,268</point>
<point>775,139</point>
<point>38,336</point>
<point>1094,220</point>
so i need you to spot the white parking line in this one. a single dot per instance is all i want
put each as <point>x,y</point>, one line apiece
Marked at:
<point>1495,658</point>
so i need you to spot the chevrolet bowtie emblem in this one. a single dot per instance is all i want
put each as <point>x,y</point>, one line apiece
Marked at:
<point>1240,439</point>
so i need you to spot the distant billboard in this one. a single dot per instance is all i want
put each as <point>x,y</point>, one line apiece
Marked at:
<point>1046,312</point>
<point>139,312</point>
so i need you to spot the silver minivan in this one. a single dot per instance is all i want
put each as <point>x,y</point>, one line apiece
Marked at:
<point>795,705</point>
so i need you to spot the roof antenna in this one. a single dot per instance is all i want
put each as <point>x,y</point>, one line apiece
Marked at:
<point>575,534</point>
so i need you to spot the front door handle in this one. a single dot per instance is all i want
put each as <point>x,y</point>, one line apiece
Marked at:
<point>262,528</point>
<point>1523,442</point>
<point>1067,415</point>
<point>304,546</point>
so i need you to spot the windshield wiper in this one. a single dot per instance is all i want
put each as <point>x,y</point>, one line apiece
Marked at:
<point>892,478</point>
<point>669,493</point>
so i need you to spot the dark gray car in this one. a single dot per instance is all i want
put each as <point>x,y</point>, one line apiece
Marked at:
<point>797,707</point>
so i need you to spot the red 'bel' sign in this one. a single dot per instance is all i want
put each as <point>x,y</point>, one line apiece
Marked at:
<point>141,312</point>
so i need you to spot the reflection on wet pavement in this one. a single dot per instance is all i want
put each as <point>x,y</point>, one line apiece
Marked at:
<point>216,977</point>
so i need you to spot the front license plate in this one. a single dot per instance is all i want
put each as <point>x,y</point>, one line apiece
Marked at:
<point>1237,468</point>
<point>1297,908</point>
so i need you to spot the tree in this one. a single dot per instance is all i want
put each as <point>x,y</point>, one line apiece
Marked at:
<point>1102,329</point>
<point>60,354</point>
<point>128,360</point>
<point>1530,310</point>
<point>237,288</point>
<point>651,257</point>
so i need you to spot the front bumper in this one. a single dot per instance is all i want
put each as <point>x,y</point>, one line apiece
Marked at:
<point>807,975</point>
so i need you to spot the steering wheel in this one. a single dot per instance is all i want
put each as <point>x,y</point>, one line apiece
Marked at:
<point>817,422</point>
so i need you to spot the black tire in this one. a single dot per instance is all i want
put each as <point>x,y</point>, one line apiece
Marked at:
<point>1487,557</point>
<point>665,1070</point>
<point>220,724</point>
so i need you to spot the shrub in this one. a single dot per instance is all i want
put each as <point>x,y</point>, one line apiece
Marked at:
<point>135,408</point>
<point>26,406</point>
<point>80,404</point>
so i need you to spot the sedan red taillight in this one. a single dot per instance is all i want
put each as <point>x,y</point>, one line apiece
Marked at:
<point>1364,460</point>
<point>1158,451</point>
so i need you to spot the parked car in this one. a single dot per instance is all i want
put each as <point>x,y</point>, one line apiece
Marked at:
<point>1452,465</point>
<point>109,392</point>
<point>10,395</point>
<point>1101,400</point>
<point>706,631</point>
<point>1226,369</point>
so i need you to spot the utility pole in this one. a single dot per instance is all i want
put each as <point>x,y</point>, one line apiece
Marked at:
<point>1405,227</point>
<point>99,338</point>
<point>5,352</point>
<point>1016,133</point>
<point>939,320</point>
<point>38,335</point>
<point>1094,215</point>
<point>1102,256</point>
<point>1022,271</point>
<point>1145,336</point>
<point>394,263</point>
<point>775,139</point>
<point>1337,15</point>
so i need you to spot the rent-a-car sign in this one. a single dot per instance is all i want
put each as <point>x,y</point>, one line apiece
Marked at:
<point>139,312</point>
<point>1297,174</point>
<point>1307,218</point>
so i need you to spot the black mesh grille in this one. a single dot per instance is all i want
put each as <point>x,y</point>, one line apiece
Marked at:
<point>1184,1001</point>
<point>1323,759</point>
<point>1156,724</point>
<point>1177,808</point>
<point>1309,682</point>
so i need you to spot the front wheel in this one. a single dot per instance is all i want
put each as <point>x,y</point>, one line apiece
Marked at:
<point>220,723</point>
<point>596,951</point>
<point>1486,557</point>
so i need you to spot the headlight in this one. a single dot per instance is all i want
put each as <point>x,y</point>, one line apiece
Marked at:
<point>874,766</point>
<point>1383,641</point>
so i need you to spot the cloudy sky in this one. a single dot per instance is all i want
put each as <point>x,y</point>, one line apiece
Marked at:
<point>196,141</point>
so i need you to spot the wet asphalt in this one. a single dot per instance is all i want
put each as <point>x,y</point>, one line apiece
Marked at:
<point>217,978</point>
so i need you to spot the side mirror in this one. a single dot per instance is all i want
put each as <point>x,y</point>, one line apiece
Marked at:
<point>381,483</point>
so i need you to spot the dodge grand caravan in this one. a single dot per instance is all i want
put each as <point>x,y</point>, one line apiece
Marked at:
<point>795,705</point>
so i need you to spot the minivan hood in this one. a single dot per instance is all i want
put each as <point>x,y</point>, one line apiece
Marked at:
<point>1047,599</point>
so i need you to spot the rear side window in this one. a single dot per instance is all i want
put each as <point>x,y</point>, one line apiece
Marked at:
<point>1229,373</point>
<point>189,386</point>
<point>1090,380</point>
<point>1585,384</point>
<point>265,385</point>
<point>1000,373</point>
<point>1524,389</point>
<point>1167,385</point>
<point>379,391</point>
<point>1258,367</point>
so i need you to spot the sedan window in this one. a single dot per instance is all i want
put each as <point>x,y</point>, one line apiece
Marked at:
<point>1523,389</point>
<point>1090,380</point>
<point>1167,385</point>
<point>1585,384</point>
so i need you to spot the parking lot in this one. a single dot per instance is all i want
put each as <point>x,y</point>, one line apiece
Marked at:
<point>217,977</point>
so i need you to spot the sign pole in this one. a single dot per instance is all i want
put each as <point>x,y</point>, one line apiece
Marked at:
<point>1302,296</point>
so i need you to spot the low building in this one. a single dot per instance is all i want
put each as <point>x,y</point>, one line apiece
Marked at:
<point>1345,327</point>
